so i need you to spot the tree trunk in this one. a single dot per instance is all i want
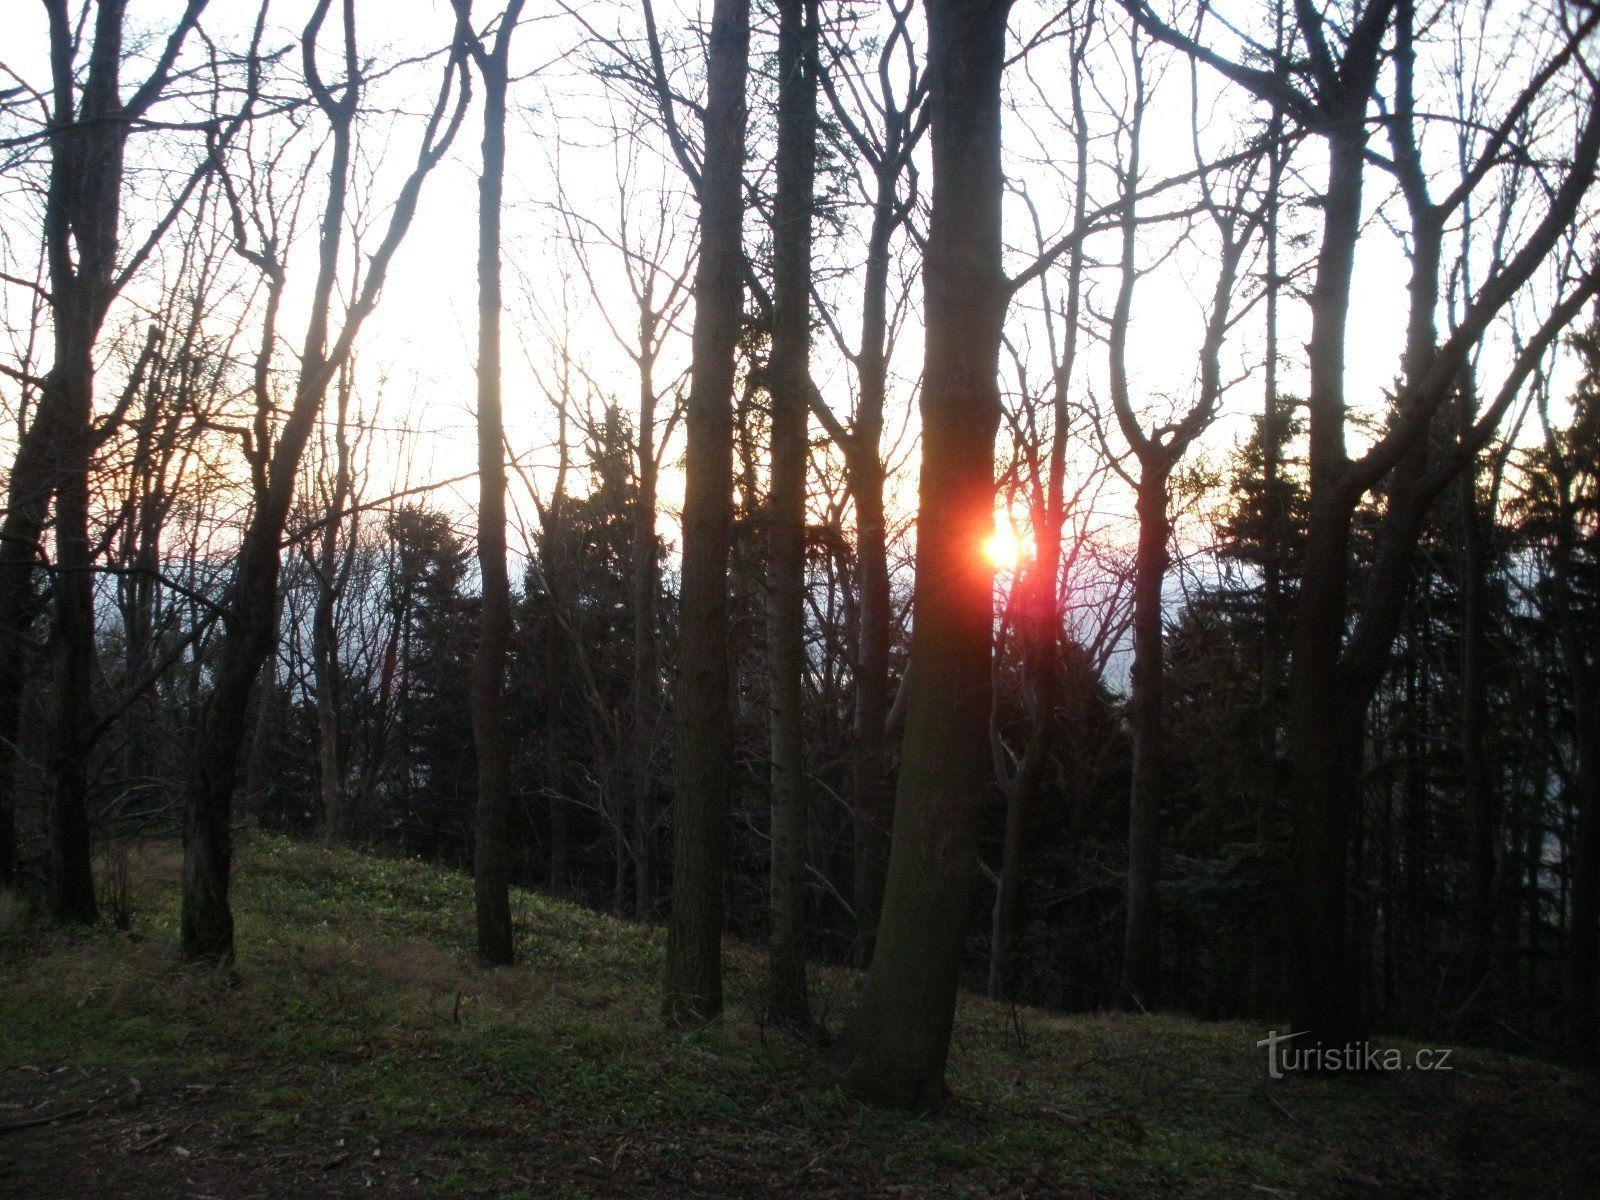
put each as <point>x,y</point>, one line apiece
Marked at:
<point>1325,734</point>
<point>900,1036</point>
<point>1583,937</point>
<point>645,698</point>
<point>693,985</point>
<point>491,891</point>
<point>207,920</point>
<point>869,746</point>
<point>788,383</point>
<point>336,824</point>
<point>1141,934</point>
<point>1480,792</point>
<point>82,222</point>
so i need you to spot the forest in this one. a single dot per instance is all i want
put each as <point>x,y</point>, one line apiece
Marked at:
<point>892,543</point>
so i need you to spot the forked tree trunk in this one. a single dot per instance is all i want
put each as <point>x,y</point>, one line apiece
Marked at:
<point>692,989</point>
<point>788,384</point>
<point>899,1038</point>
<point>250,606</point>
<point>1325,732</point>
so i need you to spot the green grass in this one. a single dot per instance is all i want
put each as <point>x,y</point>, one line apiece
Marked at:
<point>359,1021</point>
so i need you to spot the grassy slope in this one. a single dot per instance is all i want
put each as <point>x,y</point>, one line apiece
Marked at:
<point>362,1052</point>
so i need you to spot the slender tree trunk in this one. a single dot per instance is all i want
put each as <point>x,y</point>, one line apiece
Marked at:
<point>490,867</point>
<point>900,1036</point>
<point>1140,947</point>
<point>336,824</point>
<point>645,698</point>
<point>1479,790</point>
<point>693,984</point>
<point>789,371</point>
<point>869,745</point>
<point>1023,797</point>
<point>1583,937</point>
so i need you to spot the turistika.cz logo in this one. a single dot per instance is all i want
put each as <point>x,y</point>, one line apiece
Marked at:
<point>1284,1059</point>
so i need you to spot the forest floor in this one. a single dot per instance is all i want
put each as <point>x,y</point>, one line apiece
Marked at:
<point>361,1053</point>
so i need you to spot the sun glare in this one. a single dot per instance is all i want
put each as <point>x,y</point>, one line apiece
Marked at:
<point>1004,549</point>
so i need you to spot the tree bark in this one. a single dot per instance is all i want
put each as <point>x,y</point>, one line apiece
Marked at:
<point>1325,732</point>
<point>692,990</point>
<point>336,823</point>
<point>899,1038</point>
<point>491,891</point>
<point>789,380</point>
<point>645,585</point>
<point>1141,933</point>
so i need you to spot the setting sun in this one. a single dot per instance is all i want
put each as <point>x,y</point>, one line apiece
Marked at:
<point>1003,547</point>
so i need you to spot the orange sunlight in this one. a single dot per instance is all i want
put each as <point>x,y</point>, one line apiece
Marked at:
<point>1004,549</point>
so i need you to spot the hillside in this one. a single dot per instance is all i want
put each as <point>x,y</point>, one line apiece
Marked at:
<point>362,1054</point>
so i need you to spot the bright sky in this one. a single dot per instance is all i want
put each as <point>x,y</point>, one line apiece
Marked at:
<point>416,356</point>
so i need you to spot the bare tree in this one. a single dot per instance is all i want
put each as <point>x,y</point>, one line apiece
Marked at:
<point>884,119</point>
<point>1159,451</point>
<point>251,602</point>
<point>1048,504</point>
<point>693,986</point>
<point>89,127</point>
<point>1326,84</point>
<point>490,871</point>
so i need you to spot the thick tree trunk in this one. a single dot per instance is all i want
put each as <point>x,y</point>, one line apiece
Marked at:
<point>693,984</point>
<point>1324,734</point>
<point>900,1036</point>
<point>1141,933</point>
<point>788,384</point>
<point>72,713</point>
